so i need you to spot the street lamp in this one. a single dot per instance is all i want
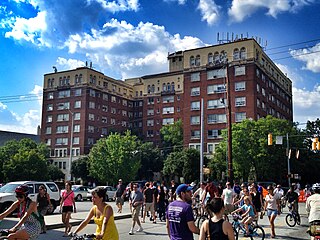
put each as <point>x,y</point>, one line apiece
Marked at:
<point>68,175</point>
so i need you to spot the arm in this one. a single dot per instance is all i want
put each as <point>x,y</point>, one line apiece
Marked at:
<point>85,221</point>
<point>9,210</point>
<point>246,213</point>
<point>106,218</point>
<point>203,230</point>
<point>48,198</point>
<point>228,230</point>
<point>192,227</point>
<point>73,203</point>
<point>32,208</point>
<point>168,227</point>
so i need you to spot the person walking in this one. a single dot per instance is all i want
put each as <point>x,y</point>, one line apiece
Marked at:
<point>216,227</point>
<point>180,221</point>
<point>272,207</point>
<point>313,208</point>
<point>136,201</point>
<point>228,197</point>
<point>119,195</point>
<point>29,225</point>
<point>149,202</point>
<point>43,202</point>
<point>162,204</point>
<point>103,217</point>
<point>67,206</point>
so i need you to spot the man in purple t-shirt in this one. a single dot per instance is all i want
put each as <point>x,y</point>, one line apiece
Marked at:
<point>180,221</point>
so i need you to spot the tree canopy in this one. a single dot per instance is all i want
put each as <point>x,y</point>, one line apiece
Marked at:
<point>115,157</point>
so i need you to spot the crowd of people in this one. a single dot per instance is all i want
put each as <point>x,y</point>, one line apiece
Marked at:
<point>172,204</point>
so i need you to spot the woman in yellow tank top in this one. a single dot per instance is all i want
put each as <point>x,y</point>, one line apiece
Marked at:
<point>103,217</point>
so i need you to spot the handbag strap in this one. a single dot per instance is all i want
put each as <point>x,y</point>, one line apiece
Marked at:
<point>64,198</point>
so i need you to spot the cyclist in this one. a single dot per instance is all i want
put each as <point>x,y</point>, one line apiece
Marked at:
<point>313,206</point>
<point>102,214</point>
<point>29,225</point>
<point>248,215</point>
<point>292,199</point>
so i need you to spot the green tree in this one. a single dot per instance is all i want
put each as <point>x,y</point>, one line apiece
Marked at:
<point>80,168</point>
<point>172,137</point>
<point>115,157</point>
<point>183,163</point>
<point>23,159</point>
<point>54,173</point>
<point>151,160</point>
<point>253,159</point>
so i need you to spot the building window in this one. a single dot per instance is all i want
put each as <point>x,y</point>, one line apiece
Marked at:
<point>91,117</point>
<point>91,129</point>
<point>104,119</point>
<point>62,141</point>
<point>63,106</point>
<point>64,94</point>
<point>150,112</point>
<point>90,141</point>
<point>240,116</point>
<point>243,53</point>
<point>240,86</point>
<point>210,58</point>
<point>195,105</point>
<point>258,88</point>
<point>217,88</point>
<point>236,54</point>
<point>76,128</point>
<point>167,110</point>
<point>150,133</point>
<point>211,147</point>
<point>195,77</point>
<point>217,118</point>
<point>113,110</point>
<point>77,104</point>
<point>77,116</point>
<point>77,92</point>
<point>150,123</point>
<point>214,133</point>
<point>195,146</point>
<point>113,121</point>
<point>240,101</point>
<point>168,99</point>
<point>195,91</point>
<point>217,73</point>
<point>192,61</point>
<point>48,142</point>
<point>150,100</point>
<point>62,129</point>
<point>92,105</point>
<point>195,134</point>
<point>48,130</point>
<point>239,71</point>
<point>92,93</point>
<point>166,121</point>
<point>50,107</point>
<point>50,95</point>
<point>216,103</point>
<point>198,60</point>
<point>62,117</point>
<point>195,120</point>
<point>49,118</point>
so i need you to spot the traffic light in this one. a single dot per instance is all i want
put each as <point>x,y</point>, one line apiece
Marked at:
<point>315,144</point>
<point>269,139</point>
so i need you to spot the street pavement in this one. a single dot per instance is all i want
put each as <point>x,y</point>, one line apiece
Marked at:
<point>158,231</point>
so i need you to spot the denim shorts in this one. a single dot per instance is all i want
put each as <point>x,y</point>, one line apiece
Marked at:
<point>272,212</point>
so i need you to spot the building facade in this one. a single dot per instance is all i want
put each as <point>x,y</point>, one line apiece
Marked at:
<point>85,105</point>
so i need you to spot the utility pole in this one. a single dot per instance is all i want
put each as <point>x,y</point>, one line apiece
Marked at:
<point>229,120</point>
<point>201,141</point>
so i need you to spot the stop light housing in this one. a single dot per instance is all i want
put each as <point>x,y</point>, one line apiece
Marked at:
<point>315,144</point>
<point>269,139</point>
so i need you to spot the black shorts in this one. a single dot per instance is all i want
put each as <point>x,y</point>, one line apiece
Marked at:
<point>66,209</point>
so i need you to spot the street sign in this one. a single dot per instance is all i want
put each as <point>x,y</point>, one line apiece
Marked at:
<point>279,140</point>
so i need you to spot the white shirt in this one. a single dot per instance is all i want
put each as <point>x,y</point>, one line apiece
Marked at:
<point>228,195</point>
<point>313,207</point>
<point>278,191</point>
<point>272,201</point>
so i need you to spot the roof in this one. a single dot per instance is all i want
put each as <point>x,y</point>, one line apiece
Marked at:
<point>7,136</point>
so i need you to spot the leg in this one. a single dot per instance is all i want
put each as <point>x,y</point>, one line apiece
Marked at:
<point>20,234</point>
<point>67,223</point>
<point>271,219</point>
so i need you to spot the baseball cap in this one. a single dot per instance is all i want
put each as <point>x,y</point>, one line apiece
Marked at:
<point>120,180</point>
<point>183,188</point>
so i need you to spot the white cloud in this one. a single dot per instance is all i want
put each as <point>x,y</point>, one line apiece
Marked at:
<point>69,63</point>
<point>209,11</point>
<point>29,30</point>
<point>119,5</point>
<point>130,50</point>
<point>3,106</point>
<point>180,2</point>
<point>311,57</point>
<point>241,9</point>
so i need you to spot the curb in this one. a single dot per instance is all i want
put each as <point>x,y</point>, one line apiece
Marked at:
<point>78,221</point>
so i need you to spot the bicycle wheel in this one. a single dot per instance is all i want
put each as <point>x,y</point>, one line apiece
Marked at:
<point>257,232</point>
<point>291,220</point>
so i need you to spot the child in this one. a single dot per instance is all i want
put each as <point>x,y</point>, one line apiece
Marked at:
<point>248,214</point>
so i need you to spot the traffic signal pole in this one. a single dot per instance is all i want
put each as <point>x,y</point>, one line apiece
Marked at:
<point>230,167</point>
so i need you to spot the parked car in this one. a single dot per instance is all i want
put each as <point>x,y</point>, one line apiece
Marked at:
<point>110,191</point>
<point>8,196</point>
<point>81,192</point>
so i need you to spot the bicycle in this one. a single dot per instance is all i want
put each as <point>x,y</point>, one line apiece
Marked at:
<point>83,237</point>
<point>292,217</point>
<point>255,231</point>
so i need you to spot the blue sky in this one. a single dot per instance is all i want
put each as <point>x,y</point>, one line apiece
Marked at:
<point>130,38</point>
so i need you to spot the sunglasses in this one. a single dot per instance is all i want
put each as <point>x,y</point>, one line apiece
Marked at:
<point>19,196</point>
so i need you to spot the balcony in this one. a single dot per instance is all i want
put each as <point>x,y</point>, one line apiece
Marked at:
<point>170,92</point>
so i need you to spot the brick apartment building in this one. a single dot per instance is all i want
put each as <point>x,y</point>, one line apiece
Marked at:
<point>100,105</point>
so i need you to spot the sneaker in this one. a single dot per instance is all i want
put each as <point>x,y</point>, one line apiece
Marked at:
<point>131,232</point>
<point>154,221</point>
<point>140,229</point>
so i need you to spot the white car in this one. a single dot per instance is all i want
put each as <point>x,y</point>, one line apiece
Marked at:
<point>110,191</point>
<point>8,196</point>
<point>81,192</point>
